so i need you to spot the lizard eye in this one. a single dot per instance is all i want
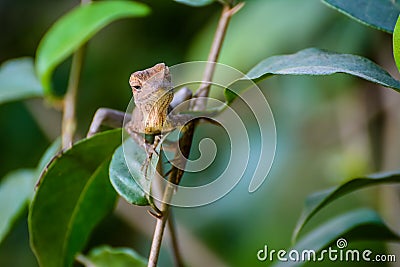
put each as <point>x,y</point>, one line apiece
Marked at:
<point>137,87</point>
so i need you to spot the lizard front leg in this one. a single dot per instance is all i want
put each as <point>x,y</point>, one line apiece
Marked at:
<point>149,142</point>
<point>115,118</point>
<point>108,117</point>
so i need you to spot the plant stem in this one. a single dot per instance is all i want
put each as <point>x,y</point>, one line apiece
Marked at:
<point>68,126</point>
<point>160,226</point>
<point>186,140</point>
<point>171,226</point>
<point>84,261</point>
<point>174,241</point>
<point>69,115</point>
<point>220,33</point>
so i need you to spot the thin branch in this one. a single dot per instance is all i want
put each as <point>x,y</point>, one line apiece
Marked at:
<point>69,115</point>
<point>186,141</point>
<point>174,241</point>
<point>220,33</point>
<point>176,252</point>
<point>68,126</point>
<point>84,261</point>
<point>160,226</point>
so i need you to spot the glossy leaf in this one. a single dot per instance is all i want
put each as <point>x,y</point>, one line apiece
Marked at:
<point>106,256</point>
<point>352,226</point>
<point>16,189</point>
<point>18,80</point>
<point>236,88</point>
<point>77,27</point>
<point>73,196</point>
<point>48,155</point>
<point>314,61</point>
<point>379,14</point>
<point>317,201</point>
<point>195,2</point>
<point>121,176</point>
<point>396,44</point>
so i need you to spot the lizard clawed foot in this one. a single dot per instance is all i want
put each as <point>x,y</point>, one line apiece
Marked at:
<point>150,151</point>
<point>154,211</point>
<point>156,214</point>
<point>145,165</point>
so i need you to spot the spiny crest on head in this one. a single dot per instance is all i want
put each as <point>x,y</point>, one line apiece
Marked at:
<point>138,78</point>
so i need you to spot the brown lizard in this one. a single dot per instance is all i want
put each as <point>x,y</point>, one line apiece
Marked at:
<point>154,98</point>
<point>152,92</point>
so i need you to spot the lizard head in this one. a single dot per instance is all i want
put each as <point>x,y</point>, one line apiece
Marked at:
<point>151,85</point>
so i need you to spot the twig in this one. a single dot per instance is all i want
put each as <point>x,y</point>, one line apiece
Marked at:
<point>84,261</point>
<point>160,226</point>
<point>68,126</point>
<point>186,140</point>
<point>220,33</point>
<point>69,115</point>
<point>174,241</point>
<point>176,252</point>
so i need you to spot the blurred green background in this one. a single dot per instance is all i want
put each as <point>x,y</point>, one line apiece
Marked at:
<point>329,128</point>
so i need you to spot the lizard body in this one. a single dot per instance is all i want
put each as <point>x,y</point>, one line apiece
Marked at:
<point>152,92</point>
<point>154,98</point>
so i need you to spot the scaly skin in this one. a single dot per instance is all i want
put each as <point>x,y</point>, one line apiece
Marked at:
<point>152,92</point>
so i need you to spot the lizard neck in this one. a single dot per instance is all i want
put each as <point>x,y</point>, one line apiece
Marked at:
<point>151,115</point>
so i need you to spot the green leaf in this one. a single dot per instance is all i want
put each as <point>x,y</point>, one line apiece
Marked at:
<point>18,80</point>
<point>73,196</point>
<point>236,88</point>
<point>16,189</point>
<point>356,225</point>
<point>396,44</point>
<point>314,61</point>
<point>48,155</point>
<point>106,256</point>
<point>379,14</point>
<point>77,27</point>
<point>121,176</point>
<point>317,201</point>
<point>195,2</point>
